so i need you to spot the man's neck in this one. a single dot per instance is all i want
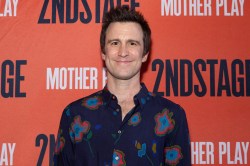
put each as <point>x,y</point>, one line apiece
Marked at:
<point>124,89</point>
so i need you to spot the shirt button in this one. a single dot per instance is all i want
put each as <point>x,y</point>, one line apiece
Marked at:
<point>119,131</point>
<point>117,110</point>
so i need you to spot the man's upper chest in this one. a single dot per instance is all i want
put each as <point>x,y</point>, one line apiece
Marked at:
<point>139,123</point>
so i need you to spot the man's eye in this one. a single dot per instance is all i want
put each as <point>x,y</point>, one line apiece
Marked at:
<point>133,44</point>
<point>114,43</point>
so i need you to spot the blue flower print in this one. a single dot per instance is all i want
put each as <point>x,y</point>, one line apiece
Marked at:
<point>118,158</point>
<point>142,151</point>
<point>135,119</point>
<point>164,122</point>
<point>172,155</point>
<point>78,129</point>
<point>92,103</point>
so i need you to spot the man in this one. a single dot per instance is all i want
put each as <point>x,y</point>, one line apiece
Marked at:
<point>123,124</point>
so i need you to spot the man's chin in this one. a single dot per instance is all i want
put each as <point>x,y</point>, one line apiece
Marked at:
<point>122,77</point>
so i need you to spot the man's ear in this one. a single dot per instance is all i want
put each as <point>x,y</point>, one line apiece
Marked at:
<point>145,57</point>
<point>103,56</point>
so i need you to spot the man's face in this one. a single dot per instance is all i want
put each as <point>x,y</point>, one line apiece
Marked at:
<point>124,50</point>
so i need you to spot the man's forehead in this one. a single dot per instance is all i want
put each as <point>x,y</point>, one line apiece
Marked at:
<point>124,28</point>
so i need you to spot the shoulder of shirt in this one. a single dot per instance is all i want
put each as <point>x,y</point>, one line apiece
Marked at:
<point>170,105</point>
<point>78,103</point>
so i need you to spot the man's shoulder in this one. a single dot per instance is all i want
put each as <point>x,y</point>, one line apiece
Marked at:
<point>168,104</point>
<point>85,101</point>
<point>165,101</point>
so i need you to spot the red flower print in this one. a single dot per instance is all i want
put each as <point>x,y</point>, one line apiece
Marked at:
<point>60,142</point>
<point>172,155</point>
<point>164,123</point>
<point>78,129</point>
<point>92,103</point>
<point>118,158</point>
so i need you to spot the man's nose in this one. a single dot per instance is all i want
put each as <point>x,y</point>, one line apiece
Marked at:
<point>123,51</point>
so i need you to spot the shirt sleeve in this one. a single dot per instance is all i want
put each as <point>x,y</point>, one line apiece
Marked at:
<point>177,150</point>
<point>64,149</point>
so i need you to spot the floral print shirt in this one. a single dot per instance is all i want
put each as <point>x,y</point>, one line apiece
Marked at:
<point>153,133</point>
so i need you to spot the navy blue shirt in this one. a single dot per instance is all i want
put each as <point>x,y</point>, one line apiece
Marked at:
<point>92,132</point>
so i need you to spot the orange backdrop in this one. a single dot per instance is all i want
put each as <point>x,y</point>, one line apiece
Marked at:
<point>199,60</point>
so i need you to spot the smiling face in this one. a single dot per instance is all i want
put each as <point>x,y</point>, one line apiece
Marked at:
<point>124,50</point>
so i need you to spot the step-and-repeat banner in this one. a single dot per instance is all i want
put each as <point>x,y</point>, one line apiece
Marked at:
<point>200,59</point>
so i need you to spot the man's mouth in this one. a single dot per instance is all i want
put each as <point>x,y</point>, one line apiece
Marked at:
<point>123,61</point>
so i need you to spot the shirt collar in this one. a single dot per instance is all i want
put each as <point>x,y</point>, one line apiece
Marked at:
<point>141,98</point>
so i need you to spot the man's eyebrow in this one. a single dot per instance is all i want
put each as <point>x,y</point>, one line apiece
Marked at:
<point>134,41</point>
<point>111,40</point>
<point>130,41</point>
